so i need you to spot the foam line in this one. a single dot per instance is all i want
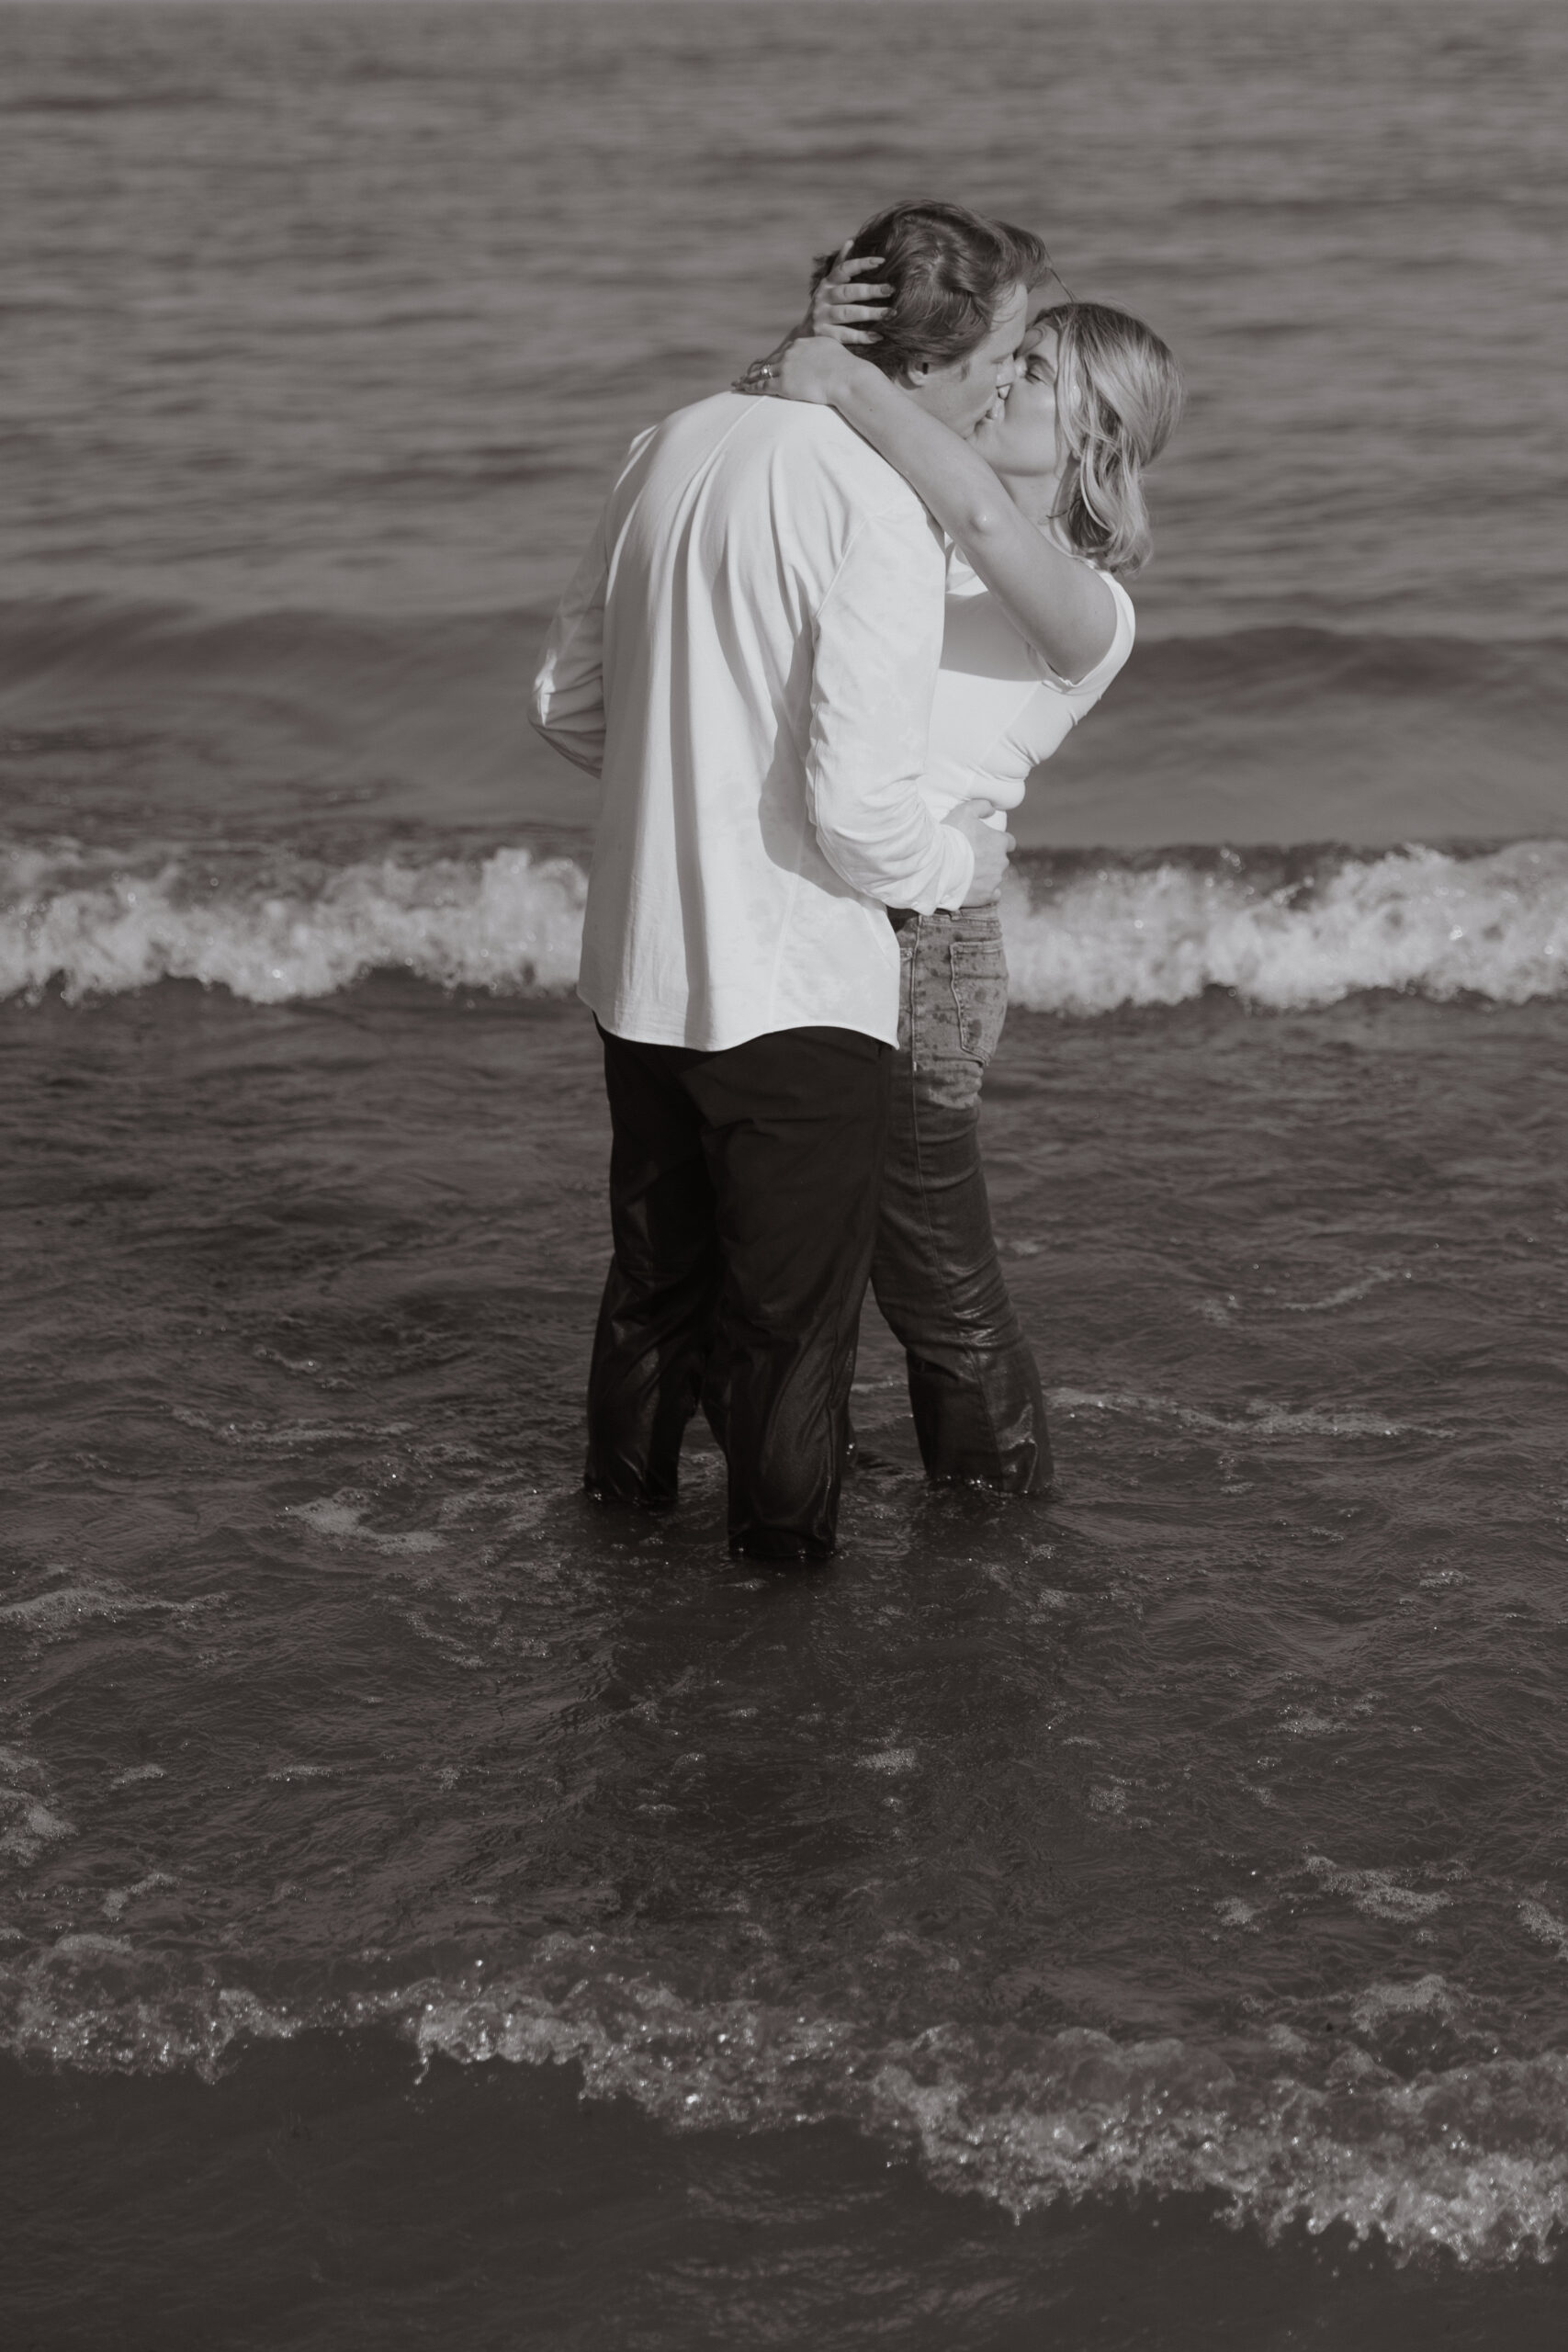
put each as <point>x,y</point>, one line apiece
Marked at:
<point>1470,2158</point>
<point>1082,939</point>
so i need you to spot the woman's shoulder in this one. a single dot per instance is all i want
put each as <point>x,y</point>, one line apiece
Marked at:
<point>1094,680</point>
<point>975,614</point>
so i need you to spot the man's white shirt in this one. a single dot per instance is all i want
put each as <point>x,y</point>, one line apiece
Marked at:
<point>747,656</point>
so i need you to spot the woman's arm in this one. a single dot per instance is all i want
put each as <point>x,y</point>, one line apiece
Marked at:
<point>1057,602</point>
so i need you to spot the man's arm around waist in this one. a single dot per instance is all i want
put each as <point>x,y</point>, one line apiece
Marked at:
<point>878,645</point>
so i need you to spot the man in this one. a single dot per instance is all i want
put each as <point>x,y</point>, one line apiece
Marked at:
<point>747,656</point>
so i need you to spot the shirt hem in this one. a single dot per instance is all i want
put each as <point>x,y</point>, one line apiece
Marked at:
<point>643,1029</point>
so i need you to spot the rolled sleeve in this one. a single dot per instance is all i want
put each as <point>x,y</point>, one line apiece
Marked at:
<point>878,644</point>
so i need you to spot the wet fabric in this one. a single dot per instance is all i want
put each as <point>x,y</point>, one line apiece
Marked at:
<point>974,1385</point>
<point>743,1190</point>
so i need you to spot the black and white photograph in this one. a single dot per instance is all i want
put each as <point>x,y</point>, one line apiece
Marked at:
<point>783,1066</point>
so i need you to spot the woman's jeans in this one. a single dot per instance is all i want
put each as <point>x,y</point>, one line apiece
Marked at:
<point>973,1387</point>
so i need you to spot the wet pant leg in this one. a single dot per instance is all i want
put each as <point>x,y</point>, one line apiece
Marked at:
<point>654,1335</point>
<point>974,1386</point>
<point>743,1206</point>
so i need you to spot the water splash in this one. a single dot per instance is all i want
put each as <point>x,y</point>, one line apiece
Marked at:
<point>1080,939</point>
<point>1420,920</point>
<point>1472,2158</point>
<point>507,922</point>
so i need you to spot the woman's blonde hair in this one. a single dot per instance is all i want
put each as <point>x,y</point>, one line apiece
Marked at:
<point>1118,395</point>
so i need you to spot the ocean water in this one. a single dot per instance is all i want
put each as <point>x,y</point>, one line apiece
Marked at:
<point>433,1911</point>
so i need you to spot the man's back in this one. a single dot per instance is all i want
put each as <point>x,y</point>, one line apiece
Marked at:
<point>773,603</point>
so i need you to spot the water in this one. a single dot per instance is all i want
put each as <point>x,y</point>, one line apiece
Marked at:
<point>431,1911</point>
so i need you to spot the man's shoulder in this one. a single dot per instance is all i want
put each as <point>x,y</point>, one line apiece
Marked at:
<point>816,442</point>
<point>814,447</point>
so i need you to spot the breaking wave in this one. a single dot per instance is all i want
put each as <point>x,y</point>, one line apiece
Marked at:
<point>508,922</point>
<point>1302,932</point>
<point>1085,935</point>
<point>1472,2158</point>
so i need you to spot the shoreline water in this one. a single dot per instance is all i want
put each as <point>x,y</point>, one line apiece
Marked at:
<point>1198,1781</point>
<point>569,2223</point>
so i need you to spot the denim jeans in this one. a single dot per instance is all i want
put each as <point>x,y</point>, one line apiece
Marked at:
<point>974,1386</point>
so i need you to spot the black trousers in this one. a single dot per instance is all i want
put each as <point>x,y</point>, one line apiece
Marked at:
<point>743,1192</point>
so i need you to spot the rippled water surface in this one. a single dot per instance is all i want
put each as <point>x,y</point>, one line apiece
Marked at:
<point>1200,1832</point>
<point>431,1911</point>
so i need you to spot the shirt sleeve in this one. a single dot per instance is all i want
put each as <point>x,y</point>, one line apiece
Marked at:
<point>878,644</point>
<point>568,692</point>
<point>1094,682</point>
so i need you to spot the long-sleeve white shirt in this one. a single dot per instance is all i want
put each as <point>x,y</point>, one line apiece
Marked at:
<point>747,657</point>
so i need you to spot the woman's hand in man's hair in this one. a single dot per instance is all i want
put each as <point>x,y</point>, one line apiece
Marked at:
<point>830,319</point>
<point>843,307</point>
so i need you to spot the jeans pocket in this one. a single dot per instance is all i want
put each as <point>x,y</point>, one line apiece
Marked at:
<point>981,993</point>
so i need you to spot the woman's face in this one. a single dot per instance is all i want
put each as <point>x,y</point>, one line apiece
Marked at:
<point>1022,436</point>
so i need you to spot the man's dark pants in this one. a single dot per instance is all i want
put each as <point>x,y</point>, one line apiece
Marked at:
<point>743,1199</point>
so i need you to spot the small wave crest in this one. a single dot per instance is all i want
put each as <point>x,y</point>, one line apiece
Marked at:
<point>1419,920</point>
<point>1470,2158</point>
<point>506,922</point>
<point>1083,936</point>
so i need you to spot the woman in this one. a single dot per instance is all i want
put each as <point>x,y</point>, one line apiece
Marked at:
<point>1045,507</point>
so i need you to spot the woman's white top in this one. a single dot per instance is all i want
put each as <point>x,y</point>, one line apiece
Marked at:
<point>999,709</point>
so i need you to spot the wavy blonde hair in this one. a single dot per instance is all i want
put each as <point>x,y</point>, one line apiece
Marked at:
<point>1118,394</point>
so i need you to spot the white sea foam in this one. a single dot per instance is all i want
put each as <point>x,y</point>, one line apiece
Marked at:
<point>1472,2158</point>
<point>1377,1894</point>
<point>509,922</point>
<point>1263,1419</point>
<point>118,1897</point>
<point>1547,1926</point>
<point>69,1605</point>
<point>1079,941</point>
<point>340,1520</point>
<point>1346,1295</point>
<point>1430,1996</point>
<point>28,1826</point>
<point>1416,919</point>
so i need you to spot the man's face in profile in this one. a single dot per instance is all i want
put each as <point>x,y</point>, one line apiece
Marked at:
<point>960,393</point>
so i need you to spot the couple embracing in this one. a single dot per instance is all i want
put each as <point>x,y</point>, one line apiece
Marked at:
<point>815,648</point>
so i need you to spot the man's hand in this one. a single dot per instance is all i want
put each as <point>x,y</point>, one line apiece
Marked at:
<point>991,850</point>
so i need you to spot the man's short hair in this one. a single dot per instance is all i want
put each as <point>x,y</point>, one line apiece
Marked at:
<point>949,271</point>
